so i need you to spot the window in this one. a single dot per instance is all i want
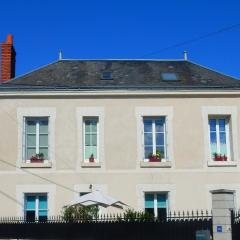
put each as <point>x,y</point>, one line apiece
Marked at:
<point>156,204</point>
<point>219,138</point>
<point>154,137</point>
<point>35,207</point>
<point>169,76</point>
<point>106,75</point>
<point>36,139</point>
<point>91,139</point>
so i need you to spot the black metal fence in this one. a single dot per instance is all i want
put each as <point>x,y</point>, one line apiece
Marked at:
<point>176,226</point>
<point>235,225</point>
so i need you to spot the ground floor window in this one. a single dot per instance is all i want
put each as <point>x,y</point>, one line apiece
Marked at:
<point>156,204</point>
<point>36,207</point>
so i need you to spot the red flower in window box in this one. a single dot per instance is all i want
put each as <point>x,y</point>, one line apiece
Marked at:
<point>155,158</point>
<point>91,159</point>
<point>38,158</point>
<point>219,157</point>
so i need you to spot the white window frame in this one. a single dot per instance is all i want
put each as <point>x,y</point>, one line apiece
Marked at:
<point>227,129</point>
<point>37,195</point>
<point>37,119</point>
<point>150,111</point>
<point>155,201</point>
<point>232,113</point>
<point>152,118</point>
<point>97,120</point>
<point>49,112</point>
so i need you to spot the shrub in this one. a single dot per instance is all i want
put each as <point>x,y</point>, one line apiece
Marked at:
<point>77,212</point>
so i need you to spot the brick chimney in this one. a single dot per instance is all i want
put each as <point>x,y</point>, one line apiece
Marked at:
<point>8,54</point>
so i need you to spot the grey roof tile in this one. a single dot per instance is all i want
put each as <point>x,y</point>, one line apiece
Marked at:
<point>127,74</point>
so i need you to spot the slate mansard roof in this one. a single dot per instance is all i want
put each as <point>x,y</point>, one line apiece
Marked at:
<point>126,74</point>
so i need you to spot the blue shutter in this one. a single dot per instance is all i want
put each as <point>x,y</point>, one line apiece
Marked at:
<point>149,200</point>
<point>30,203</point>
<point>162,200</point>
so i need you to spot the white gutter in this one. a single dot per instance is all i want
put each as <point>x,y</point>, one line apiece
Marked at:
<point>113,93</point>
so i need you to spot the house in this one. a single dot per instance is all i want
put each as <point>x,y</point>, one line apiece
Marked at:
<point>157,134</point>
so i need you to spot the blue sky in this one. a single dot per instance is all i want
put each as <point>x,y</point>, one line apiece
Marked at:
<point>129,29</point>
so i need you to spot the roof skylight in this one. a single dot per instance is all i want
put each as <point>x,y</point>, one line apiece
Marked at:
<point>169,76</point>
<point>106,75</point>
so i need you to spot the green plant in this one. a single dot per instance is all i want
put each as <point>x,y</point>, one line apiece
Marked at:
<point>132,215</point>
<point>40,155</point>
<point>77,212</point>
<point>158,154</point>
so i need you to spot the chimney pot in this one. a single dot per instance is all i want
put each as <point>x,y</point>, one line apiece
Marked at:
<point>10,38</point>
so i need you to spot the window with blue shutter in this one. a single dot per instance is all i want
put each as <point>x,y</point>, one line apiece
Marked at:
<point>36,207</point>
<point>156,204</point>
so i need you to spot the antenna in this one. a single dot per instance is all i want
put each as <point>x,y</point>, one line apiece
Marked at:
<point>60,55</point>
<point>185,55</point>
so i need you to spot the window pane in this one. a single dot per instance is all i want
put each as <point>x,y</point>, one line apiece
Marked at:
<point>43,126</point>
<point>223,149</point>
<point>213,148</point>
<point>223,143</point>
<point>148,151</point>
<point>31,140</point>
<point>30,203</point>
<point>30,126</point>
<point>30,152</point>
<point>162,213</point>
<point>87,139</point>
<point>147,125</point>
<point>42,213</point>
<point>212,124</point>
<point>87,126</point>
<point>148,139</point>
<point>94,139</point>
<point>149,200</point>
<point>213,137</point>
<point>30,216</point>
<point>150,211</point>
<point>161,200</point>
<point>93,126</point>
<point>160,124</point>
<point>43,140</point>
<point>159,139</point>
<point>43,202</point>
<point>221,123</point>
<point>89,150</point>
<point>222,138</point>
<point>44,150</point>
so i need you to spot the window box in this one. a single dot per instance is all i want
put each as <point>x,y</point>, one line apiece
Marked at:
<point>219,157</point>
<point>38,158</point>
<point>154,159</point>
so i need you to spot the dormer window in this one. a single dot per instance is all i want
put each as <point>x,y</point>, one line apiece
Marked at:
<point>169,76</point>
<point>106,75</point>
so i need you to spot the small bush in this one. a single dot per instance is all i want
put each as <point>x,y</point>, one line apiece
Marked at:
<point>77,212</point>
